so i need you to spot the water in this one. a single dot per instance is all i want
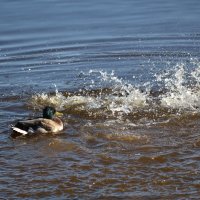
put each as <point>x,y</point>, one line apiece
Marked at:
<point>125,74</point>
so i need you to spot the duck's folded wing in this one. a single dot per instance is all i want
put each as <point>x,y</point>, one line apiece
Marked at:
<point>29,123</point>
<point>25,127</point>
<point>46,124</point>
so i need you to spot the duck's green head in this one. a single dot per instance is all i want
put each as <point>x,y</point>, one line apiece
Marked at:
<point>49,112</point>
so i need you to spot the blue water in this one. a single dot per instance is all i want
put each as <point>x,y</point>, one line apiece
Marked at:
<point>126,76</point>
<point>63,35</point>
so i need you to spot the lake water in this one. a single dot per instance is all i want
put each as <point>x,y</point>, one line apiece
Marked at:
<point>126,76</point>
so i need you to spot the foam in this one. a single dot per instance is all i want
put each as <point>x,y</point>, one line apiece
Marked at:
<point>180,92</point>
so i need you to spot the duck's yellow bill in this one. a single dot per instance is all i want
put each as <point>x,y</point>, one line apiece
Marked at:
<point>59,114</point>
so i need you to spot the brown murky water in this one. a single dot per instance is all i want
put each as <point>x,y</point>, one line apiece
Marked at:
<point>100,158</point>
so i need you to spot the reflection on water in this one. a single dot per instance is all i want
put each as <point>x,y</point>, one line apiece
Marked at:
<point>126,76</point>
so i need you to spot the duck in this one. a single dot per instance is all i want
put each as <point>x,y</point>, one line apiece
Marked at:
<point>49,123</point>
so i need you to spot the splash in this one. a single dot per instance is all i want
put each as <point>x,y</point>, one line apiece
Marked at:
<point>122,98</point>
<point>105,96</point>
<point>182,89</point>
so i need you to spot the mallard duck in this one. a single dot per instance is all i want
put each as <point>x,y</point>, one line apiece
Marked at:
<point>46,124</point>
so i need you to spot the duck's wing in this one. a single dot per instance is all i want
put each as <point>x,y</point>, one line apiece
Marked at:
<point>39,125</point>
<point>26,124</point>
<point>29,126</point>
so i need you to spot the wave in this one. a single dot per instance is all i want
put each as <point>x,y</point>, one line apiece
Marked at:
<point>172,94</point>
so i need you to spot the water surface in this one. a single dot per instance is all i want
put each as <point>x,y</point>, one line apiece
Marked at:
<point>125,74</point>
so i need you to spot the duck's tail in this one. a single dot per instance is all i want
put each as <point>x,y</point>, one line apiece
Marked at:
<point>18,130</point>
